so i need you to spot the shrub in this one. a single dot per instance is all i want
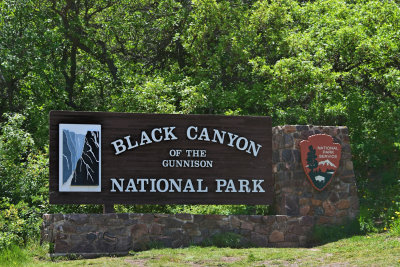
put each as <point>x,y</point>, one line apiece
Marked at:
<point>23,167</point>
<point>197,209</point>
<point>324,234</point>
<point>24,187</point>
<point>395,225</point>
<point>221,209</point>
<point>18,224</point>
<point>379,203</point>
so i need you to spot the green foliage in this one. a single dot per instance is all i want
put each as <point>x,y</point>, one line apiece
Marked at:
<point>325,234</point>
<point>366,219</point>
<point>23,190</point>
<point>24,167</point>
<point>379,205</point>
<point>395,224</point>
<point>18,224</point>
<point>221,209</point>
<point>225,240</point>
<point>196,209</point>
<point>47,208</point>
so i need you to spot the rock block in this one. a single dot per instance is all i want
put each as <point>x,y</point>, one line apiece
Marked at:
<point>276,236</point>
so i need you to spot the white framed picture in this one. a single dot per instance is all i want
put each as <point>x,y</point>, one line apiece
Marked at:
<point>79,158</point>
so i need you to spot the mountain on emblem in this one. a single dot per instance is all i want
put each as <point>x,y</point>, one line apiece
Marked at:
<point>327,162</point>
<point>320,157</point>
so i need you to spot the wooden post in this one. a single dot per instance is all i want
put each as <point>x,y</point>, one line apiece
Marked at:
<point>108,208</point>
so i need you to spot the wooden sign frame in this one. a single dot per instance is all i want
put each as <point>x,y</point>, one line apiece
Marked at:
<point>150,158</point>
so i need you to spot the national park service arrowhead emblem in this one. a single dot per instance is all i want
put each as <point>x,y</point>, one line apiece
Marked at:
<point>320,157</point>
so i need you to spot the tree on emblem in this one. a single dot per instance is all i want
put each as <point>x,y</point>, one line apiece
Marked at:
<point>312,159</point>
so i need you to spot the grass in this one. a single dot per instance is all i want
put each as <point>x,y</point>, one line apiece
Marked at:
<point>375,249</point>
<point>16,256</point>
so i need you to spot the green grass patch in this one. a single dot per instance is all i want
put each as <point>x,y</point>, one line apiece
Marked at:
<point>376,249</point>
<point>14,256</point>
<point>32,253</point>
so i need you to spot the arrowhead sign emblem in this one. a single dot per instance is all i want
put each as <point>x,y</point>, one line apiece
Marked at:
<point>320,157</point>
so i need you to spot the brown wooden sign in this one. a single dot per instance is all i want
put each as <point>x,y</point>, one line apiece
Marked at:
<point>320,158</point>
<point>124,158</point>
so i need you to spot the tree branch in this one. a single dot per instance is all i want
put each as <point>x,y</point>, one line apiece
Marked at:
<point>98,10</point>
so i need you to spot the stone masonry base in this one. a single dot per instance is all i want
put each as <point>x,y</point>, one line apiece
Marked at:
<point>118,233</point>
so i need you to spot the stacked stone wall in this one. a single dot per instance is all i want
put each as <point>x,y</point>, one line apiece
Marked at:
<point>111,233</point>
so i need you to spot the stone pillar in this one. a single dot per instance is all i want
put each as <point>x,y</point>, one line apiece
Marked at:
<point>294,194</point>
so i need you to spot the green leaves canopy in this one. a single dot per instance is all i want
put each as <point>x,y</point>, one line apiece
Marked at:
<point>319,62</point>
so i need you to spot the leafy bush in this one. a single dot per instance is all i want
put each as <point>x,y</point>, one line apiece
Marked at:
<point>18,224</point>
<point>366,220</point>
<point>23,189</point>
<point>83,208</point>
<point>395,225</point>
<point>196,209</point>
<point>24,169</point>
<point>221,209</point>
<point>379,204</point>
<point>323,234</point>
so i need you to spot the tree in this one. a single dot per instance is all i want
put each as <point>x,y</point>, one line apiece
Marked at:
<point>312,159</point>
